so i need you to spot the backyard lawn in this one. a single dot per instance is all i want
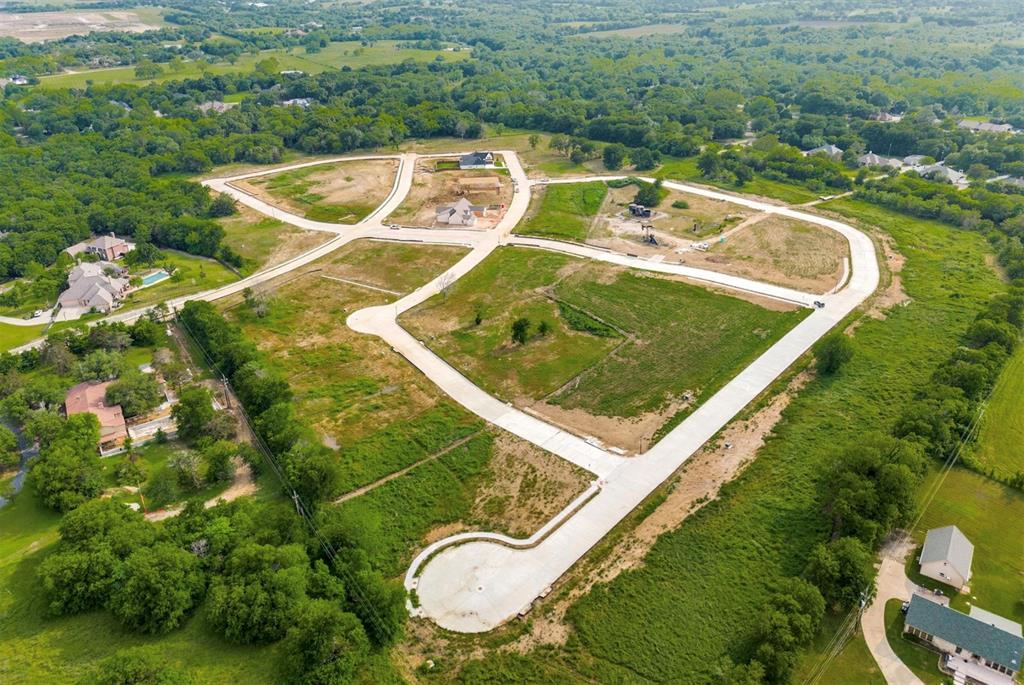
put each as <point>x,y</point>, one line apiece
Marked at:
<point>192,274</point>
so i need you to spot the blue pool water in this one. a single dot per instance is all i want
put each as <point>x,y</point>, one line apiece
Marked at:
<point>155,277</point>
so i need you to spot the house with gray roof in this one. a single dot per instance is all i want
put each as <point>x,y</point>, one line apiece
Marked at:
<point>984,126</point>
<point>980,647</point>
<point>871,159</point>
<point>462,213</point>
<point>830,151</point>
<point>946,556</point>
<point>941,172</point>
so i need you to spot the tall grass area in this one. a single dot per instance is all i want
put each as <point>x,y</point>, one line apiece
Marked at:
<point>693,600</point>
<point>565,211</point>
<point>396,515</point>
<point>686,169</point>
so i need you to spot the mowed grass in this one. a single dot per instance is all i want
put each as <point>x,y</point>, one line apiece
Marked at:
<point>981,508</point>
<point>700,586</point>
<point>1000,445</point>
<point>334,56</point>
<point>192,274</point>
<point>922,661</point>
<point>565,211</point>
<point>12,336</point>
<point>681,338</point>
<point>502,288</point>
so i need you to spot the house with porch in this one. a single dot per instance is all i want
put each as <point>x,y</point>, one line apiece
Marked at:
<point>462,213</point>
<point>979,647</point>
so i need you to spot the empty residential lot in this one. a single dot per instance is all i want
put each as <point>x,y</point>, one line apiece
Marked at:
<point>610,352</point>
<point>339,192</point>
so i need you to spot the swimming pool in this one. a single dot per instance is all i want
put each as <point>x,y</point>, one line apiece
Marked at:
<point>154,277</point>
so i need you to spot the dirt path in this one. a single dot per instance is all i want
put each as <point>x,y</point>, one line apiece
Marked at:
<point>398,474</point>
<point>241,486</point>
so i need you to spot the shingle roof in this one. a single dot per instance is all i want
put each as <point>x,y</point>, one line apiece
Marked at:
<point>950,545</point>
<point>984,639</point>
<point>476,159</point>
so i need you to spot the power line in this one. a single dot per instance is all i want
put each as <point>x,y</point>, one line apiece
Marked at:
<point>301,508</point>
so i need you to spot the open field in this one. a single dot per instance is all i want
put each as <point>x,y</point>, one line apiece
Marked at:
<point>14,336</point>
<point>686,169</point>
<point>854,665</point>
<point>564,211</point>
<point>33,27</point>
<point>779,250</point>
<point>1000,444</point>
<point>431,189</point>
<point>492,481</point>
<point>693,598</point>
<point>262,241</point>
<point>623,352</point>
<point>335,56</point>
<point>346,385</point>
<point>343,192</point>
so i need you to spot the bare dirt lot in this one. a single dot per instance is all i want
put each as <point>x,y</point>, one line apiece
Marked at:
<point>694,218</point>
<point>341,192</point>
<point>33,27</point>
<point>779,250</point>
<point>432,188</point>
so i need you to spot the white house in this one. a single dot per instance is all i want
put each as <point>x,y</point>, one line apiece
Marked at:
<point>978,648</point>
<point>946,556</point>
<point>462,213</point>
<point>942,172</point>
<point>871,159</point>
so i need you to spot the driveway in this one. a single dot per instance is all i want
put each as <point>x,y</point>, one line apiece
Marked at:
<point>892,583</point>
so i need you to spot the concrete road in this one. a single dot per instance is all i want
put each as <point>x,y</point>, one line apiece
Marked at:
<point>476,583</point>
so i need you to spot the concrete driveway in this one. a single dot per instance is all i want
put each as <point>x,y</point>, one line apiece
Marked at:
<point>892,583</point>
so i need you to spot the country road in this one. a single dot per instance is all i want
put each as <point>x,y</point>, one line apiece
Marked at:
<point>473,582</point>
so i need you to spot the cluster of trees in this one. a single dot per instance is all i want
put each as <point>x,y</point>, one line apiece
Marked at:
<point>523,329</point>
<point>773,160</point>
<point>311,470</point>
<point>248,563</point>
<point>939,418</point>
<point>974,208</point>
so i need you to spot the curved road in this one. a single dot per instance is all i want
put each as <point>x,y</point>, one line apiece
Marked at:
<point>474,582</point>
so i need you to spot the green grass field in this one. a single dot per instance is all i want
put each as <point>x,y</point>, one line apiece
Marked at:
<point>262,241</point>
<point>693,599</point>
<point>335,56</point>
<point>1000,445</point>
<point>668,337</point>
<point>565,211</point>
<point>686,169</point>
<point>981,508</point>
<point>13,336</point>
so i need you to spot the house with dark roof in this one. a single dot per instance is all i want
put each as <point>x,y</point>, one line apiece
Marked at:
<point>980,647</point>
<point>477,160</point>
<point>946,556</point>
